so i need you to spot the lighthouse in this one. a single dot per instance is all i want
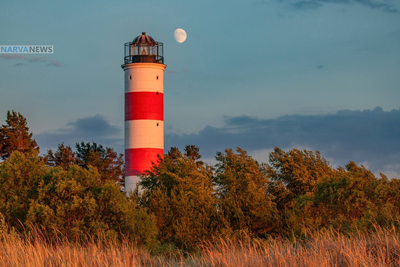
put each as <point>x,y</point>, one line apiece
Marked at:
<point>144,106</point>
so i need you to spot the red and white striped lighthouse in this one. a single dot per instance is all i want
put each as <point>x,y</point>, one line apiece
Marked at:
<point>144,106</point>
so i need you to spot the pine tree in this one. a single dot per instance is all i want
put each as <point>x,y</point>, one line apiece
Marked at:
<point>108,163</point>
<point>192,152</point>
<point>15,136</point>
<point>174,153</point>
<point>64,157</point>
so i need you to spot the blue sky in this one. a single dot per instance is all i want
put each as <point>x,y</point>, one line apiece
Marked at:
<point>320,74</point>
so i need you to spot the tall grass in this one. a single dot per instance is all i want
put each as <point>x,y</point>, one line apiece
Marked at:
<point>325,248</point>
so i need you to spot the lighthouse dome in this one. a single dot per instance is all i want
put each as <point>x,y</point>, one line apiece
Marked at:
<point>144,40</point>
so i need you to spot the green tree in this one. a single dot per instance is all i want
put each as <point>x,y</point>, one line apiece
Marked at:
<point>174,153</point>
<point>108,163</point>
<point>15,136</point>
<point>106,160</point>
<point>180,193</point>
<point>296,173</point>
<point>75,202</point>
<point>352,200</point>
<point>20,178</point>
<point>64,157</point>
<point>242,187</point>
<point>192,152</point>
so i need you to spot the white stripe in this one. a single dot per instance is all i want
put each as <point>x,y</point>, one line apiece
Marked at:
<point>144,79</point>
<point>144,134</point>
<point>130,183</point>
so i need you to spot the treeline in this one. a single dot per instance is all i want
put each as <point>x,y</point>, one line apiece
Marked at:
<point>184,201</point>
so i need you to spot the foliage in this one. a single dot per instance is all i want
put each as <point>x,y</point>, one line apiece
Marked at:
<point>74,203</point>
<point>354,199</point>
<point>107,162</point>
<point>242,189</point>
<point>296,173</point>
<point>20,178</point>
<point>180,193</point>
<point>15,136</point>
<point>184,202</point>
<point>64,157</point>
<point>192,152</point>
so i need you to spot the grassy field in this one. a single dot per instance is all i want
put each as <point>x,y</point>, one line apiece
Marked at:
<point>381,248</point>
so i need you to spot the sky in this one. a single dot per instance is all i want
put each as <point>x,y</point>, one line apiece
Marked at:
<point>306,74</point>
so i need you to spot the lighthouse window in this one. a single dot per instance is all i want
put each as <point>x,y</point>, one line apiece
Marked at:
<point>157,123</point>
<point>157,77</point>
<point>157,93</point>
<point>130,77</point>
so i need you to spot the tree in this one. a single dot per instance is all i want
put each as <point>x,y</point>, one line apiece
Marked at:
<point>352,200</point>
<point>174,153</point>
<point>20,178</point>
<point>242,188</point>
<point>192,152</point>
<point>75,202</point>
<point>15,136</point>
<point>108,163</point>
<point>106,160</point>
<point>296,173</point>
<point>180,193</point>
<point>64,157</point>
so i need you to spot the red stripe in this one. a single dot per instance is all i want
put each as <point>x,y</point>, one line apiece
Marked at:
<point>138,160</point>
<point>144,106</point>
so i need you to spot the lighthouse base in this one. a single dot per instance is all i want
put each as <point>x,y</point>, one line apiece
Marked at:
<point>131,182</point>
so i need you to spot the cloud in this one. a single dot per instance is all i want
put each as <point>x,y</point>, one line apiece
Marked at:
<point>88,129</point>
<point>54,64</point>
<point>391,170</point>
<point>378,5</point>
<point>307,4</point>
<point>371,136</point>
<point>32,59</point>
<point>320,67</point>
<point>383,5</point>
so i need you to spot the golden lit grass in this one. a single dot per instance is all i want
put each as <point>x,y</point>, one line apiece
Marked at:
<point>328,248</point>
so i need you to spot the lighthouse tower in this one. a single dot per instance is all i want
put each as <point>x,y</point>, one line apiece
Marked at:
<point>144,106</point>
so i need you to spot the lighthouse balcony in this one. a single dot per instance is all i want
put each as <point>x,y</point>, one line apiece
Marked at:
<point>144,59</point>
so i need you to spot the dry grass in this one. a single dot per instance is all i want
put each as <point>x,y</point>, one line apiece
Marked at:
<point>327,248</point>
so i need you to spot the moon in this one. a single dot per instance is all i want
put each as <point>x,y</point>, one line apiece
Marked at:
<point>180,35</point>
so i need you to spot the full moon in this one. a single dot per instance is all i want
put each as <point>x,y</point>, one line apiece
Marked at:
<point>180,35</point>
